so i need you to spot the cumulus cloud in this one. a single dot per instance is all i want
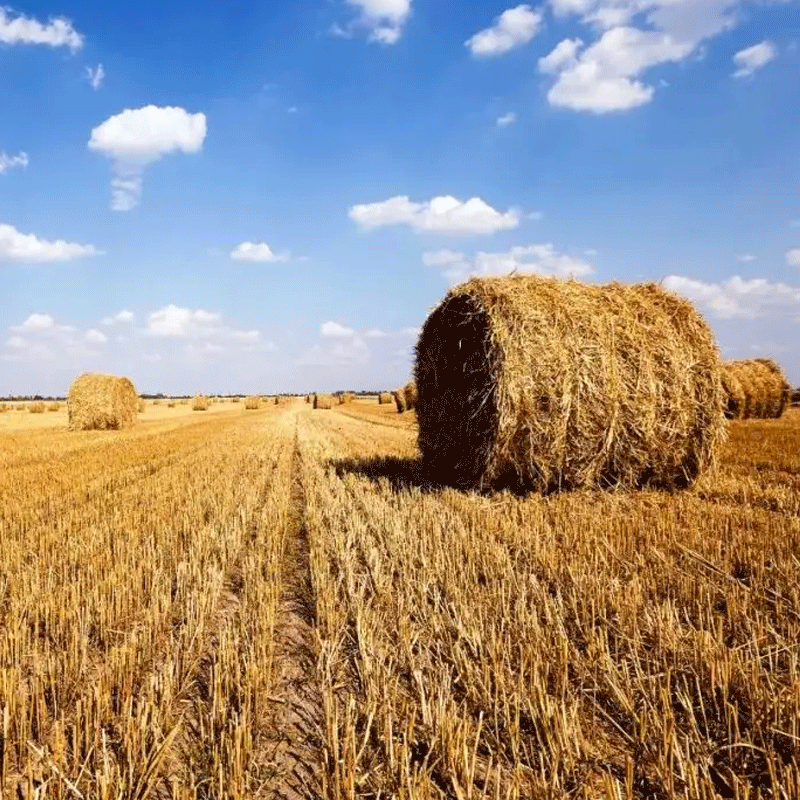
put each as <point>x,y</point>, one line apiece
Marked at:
<point>633,37</point>
<point>738,297</point>
<point>542,259</point>
<point>26,248</point>
<point>135,138</point>
<point>250,251</point>
<point>95,336</point>
<point>198,325</point>
<point>57,32</point>
<point>746,258</point>
<point>375,333</point>
<point>793,257</point>
<point>753,58</point>
<point>445,215</point>
<point>513,28</point>
<point>120,316</point>
<point>95,76</point>
<point>19,161</point>
<point>335,330</point>
<point>506,120</point>
<point>382,19</point>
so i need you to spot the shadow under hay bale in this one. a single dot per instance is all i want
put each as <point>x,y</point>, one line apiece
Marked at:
<point>101,402</point>
<point>402,474</point>
<point>542,384</point>
<point>323,401</point>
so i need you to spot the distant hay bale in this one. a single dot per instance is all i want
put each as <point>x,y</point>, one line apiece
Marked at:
<point>385,398</point>
<point>400,400</point>
<point>3,408</point>
<point>735,396</point>
<point>200,403</point>
<point>170,404</point>
<point>183,402</point>
<point>764,387</point>
<point>538,383</point>
<point>54,406</point>
<point>156,402</point>
<point>36,408</point>
<point>346,397</point>
<point>252,402</point>
<point>410,393</point>
<point>101,402</point>
<point>323,401</point>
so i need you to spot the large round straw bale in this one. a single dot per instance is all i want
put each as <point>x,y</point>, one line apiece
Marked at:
<point>410,393</point>
<point>385,398</point>
<point>538,383</point>
<point>736,400</point>
<point>252,402</point>
<point>200,403</point>
<point>323,401</point>
<point>400,400</point>
<point>101,402</point>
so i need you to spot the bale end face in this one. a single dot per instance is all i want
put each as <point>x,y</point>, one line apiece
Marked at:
<point>323,401</point>
<point>541,384</point>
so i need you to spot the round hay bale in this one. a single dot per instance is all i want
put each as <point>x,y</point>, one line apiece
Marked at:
<point>538,383</point>
<point>736,400</point>
<point>385,398</point>
<point>200,403</point>
<point>101,402</point>
<point>323,401</point>
<point>776,389</point>
<point>36,408</point>
<point>252,402</point>
<point>399,400</point>
<point>410,393</point>
<point>54,406</point>
<point>764,385</point>
<point>345,398</point>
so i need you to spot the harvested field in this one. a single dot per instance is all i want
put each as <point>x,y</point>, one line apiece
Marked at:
<point>281,604</point>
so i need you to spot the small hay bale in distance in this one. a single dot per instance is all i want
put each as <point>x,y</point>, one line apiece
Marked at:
<point>399,400</point>
<point>200,403</point>
<point>345,398</point>
<point>323,401</point>
<point>37,408</point>
<point>101,402</point>
<point>385,398</point>
<point>763,385</point>
<point>54,406</point>
<point>410,394</point>
<point>542,384</point>
<point>252,402</point>
<point>170,404</point>
<point>736,400</point>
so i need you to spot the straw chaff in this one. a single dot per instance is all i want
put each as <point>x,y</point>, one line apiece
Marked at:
<point>764,387</point>
<point>252,402</point>
<point>538,383</point>
<point>323,401</point>
<point>385,398</point>
<point>200,403</point>
<point>101,402</point>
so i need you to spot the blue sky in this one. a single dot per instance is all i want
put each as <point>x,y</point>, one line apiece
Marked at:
<point>271,196</point>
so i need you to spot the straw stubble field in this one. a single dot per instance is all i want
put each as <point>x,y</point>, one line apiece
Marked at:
<point>274,604</point>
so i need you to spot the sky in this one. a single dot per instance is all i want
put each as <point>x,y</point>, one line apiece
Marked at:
<point>272,196</point>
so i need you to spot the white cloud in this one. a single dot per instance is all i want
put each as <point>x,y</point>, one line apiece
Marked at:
<point>58,32</point>
<point>174,321</point>
<point>445,215</point>
<point>383,19</point>
<point>541,259</point>
<point>250,251</point>
<point>753,58</point>
<point>794,223</point>
<point>513,28</point>
<point>334,330</point>
<point>340,353</point>
<point>95,76</point>
<point>120,316</point>
<point>441,258</point>
<point>13,162</point>
<point>95,336</point>
<point>506,120</point>
<point>26,248</point>
<point>738,297</point>
<point>634,36</point>
<point>38,322</point>
<point>414,331</point>
<point>137,137</point>
<point>746,258</point>
<point>564,54</point>
<point>793,257</point>
<point>375,333</point>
